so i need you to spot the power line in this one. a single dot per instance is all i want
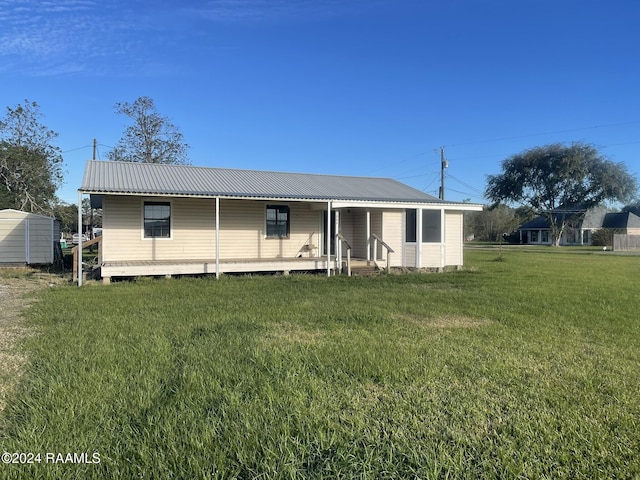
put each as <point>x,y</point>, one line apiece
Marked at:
<point>545,133</point>
<point>75,149</point>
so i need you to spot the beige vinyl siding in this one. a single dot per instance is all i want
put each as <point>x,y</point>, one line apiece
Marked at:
<point>409,255</point>
<point>192,230</point>
<point>12,238</point>
<point>393,234</point>
<point>453,238</point>
<point>431,255</point>
<point>243,224</point>
<point>242,230</point>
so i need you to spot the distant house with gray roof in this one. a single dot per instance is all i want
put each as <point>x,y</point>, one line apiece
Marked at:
<point>581,224</point>
<point>177,219</point>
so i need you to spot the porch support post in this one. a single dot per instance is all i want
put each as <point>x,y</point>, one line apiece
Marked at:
<point>443,225</point>
<point>79,238</point>
<point>338,243</point>
<point>217,238</point>
<point>419,238</point>
<point>328,239</point>
<point>368,242</point>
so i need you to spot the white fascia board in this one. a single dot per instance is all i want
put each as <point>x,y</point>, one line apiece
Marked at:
<point>335,203</point>
<point>403,205</point>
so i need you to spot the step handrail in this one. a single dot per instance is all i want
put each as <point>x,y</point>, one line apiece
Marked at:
<point>377,239</point>
<point>346,244</point>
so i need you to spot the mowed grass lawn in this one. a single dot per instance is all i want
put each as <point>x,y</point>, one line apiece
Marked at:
<point>523,368</point>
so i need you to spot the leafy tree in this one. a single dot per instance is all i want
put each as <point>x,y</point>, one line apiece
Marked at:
<point>494,221</point>
<point>151,139</point>
<point>557,179</point>
<point>633,208</point>
<point>68,216</point>
<point>30,166</point>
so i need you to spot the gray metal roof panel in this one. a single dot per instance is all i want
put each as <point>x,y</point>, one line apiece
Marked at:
<point>160,179</point>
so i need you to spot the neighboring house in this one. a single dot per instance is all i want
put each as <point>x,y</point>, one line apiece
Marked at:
<point>27,238</point>
<point>176,219</point>
<point>580,226</point>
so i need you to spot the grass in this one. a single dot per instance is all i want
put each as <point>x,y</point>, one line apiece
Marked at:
<point>524,368</point>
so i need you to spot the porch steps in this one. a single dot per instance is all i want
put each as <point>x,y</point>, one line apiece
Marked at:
<point>362,269</point>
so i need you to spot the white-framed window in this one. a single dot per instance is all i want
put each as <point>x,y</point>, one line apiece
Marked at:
<point>431,226</point>
<point>156,219</point>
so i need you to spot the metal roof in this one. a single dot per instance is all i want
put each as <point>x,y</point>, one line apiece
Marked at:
<point>161,179</point>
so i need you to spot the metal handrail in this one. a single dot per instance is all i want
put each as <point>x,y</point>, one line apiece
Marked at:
<point>377,239</point>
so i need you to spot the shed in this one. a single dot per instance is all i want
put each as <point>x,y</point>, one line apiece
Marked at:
<point>27,238</point>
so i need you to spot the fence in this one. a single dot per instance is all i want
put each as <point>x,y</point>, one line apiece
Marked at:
<point>625,242</point>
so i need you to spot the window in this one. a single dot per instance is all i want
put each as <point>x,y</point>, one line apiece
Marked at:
<point>410,231</point>
<point>157,220</point>
<point>431,227</point>
<point>545,236</point>
<point>278,221</point>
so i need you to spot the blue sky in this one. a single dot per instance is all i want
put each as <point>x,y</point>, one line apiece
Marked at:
<point>347,87</point>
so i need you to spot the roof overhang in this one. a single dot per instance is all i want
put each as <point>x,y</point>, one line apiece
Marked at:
<point>98,197</point>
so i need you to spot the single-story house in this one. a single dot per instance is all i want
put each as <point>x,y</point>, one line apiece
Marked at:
<point>162,219</point>
<point>581,224</point>
<point>27,238</point>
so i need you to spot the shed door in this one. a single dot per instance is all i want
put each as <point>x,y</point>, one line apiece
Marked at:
<point>13,245</point>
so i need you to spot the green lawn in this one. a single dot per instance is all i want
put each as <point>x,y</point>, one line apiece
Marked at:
<point>527,367</point>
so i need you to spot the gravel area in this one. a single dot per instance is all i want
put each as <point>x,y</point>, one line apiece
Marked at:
<point>17,286</point>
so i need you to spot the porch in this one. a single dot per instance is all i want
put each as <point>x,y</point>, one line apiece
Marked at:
<point>169,268</point>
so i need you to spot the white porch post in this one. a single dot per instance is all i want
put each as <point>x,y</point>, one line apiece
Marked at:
<point>442,238</point>
<point>338,243</point>
<point>419,238</point>
<point>80,238</point>
<point>368,242</point>
<point>217,238</point>
<point>328,239</point>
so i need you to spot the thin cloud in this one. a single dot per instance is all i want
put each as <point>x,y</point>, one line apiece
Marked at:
<point>63,37</point>
<point>121,37</point>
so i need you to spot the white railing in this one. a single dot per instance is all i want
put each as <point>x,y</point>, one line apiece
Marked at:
<point>343,241</point>
<point>374,244</point>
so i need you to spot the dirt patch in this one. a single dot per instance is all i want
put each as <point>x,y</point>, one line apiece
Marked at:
<point>16,288</point>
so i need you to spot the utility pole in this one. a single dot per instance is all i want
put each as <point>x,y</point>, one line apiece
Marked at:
<point>443,164</point>
<point>95,147</point>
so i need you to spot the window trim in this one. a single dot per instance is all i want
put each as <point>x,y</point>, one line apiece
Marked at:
<point>288,221</point>
<point>411,228</point>
<point>156,200</point>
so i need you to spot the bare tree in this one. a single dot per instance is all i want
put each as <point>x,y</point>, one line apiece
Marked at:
<point>30,166</point>
<point>151,139</point>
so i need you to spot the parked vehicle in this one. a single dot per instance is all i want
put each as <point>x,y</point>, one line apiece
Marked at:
<point>75,239</point>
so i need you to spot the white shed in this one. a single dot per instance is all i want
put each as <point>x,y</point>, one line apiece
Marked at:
<point>27,237</point>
